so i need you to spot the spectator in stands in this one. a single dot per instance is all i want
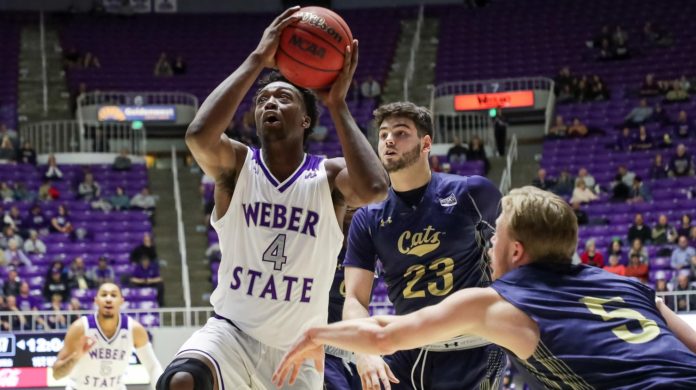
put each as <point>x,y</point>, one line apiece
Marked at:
<point>682,254</point>
<point>639,230</point>
<point>53,172</point>
<point>435,164</point>
<point>658,169</point>
<point>119,200</point>
<point>61,222</point>
<point>636,269</point>
<point>581,193</point>
<point>563,79</point>
<point>22,193</point>
<point>370,88</point>
<point>6,193</point>
<point>146,249</point>
<point>89,190</point>
<point>681,163</point>
<point>614,266</point>
<point>683,128</point>
<point>19,321</point>
<point>649,86</point>
<point>9,233</point>
<point>500,126</point>
<point>122,162</point>
<point>566,95</point>
<point>638,115</point>
<point>677,93</point>
<point>71,57</point>
<point>644,141</point>
<point>146,274</point>
<point>577,128</point>
<point>47,191</point>
<point>12,282</point>
<point>8,154</point>
<point>564,184</point>
<point>656,35</point>
<point>684,228</point>
<point>626,175</point>
<point>163,68</point>
<point>637,248</point>
<point>56,284</point>
<point>89,60</point>
<point>663,232</point>
<point>35,220</point>
<point>559,128</point>
<point>615,248</point>
<point>14,219</point>
<point>33,245</point>
<point>693,266</point>
<point>585,176</point>
<point>457,153</point>
<point>640,192</point>
<point>580,214</point>
<point>606,51</point>
<point>143,200</point>
<point>660,116</point>
<point>15,256</point>
<point>7,132</point>
<point>102,272</point>
<point>27,154</point>
<point>179,67</point>
<point>77,275</point>
<point>57,320</point>
<point>591,256</point>
<point>541,181</point>
<point>477,152</point>
<point>598,90</point>
<point>624,140</point>
<point>686,302</point>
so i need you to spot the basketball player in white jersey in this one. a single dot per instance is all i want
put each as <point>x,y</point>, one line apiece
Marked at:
<point>278,214</point>
<point>98,347</point>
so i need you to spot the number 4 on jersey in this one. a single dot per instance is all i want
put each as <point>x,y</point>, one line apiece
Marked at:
<point>275,253</point>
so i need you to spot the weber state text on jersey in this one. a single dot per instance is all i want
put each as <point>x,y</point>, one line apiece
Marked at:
<point>432,249</point>
<point>279,242</point>
<point>597,330</point>
<point>103,366</point>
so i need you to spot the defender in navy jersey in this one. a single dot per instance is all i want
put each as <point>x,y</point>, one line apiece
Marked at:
<point>431,235</point>
<point>98,347</point>
<point>565,326</point>
<point>278,214</point>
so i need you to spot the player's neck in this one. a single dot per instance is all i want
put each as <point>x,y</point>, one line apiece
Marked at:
<point>108,325</point>
<point>415,176</point>
<point>281,160</point>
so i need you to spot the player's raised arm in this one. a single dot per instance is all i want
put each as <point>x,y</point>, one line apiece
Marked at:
<point>143,348</point>
<point>74,346</point>
<point>684,332</point>
<point>211,148</point>
<point>361,179</point>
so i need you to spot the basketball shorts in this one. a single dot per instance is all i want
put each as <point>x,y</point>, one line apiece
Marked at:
<point>242,362</point>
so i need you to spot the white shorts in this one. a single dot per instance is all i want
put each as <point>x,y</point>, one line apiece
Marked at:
<point>242,362</point>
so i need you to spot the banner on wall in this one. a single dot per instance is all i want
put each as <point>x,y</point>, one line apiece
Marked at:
<point>165,6</point>
<point>129,7</point>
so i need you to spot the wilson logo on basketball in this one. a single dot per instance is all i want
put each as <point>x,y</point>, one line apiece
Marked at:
<point>307,46</point>
<point>419,243</point>
<point>320,23</point>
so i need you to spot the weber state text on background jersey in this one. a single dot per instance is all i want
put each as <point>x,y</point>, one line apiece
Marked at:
<point>103,366</point>
<point>279,243</point>
<point>432,249</point>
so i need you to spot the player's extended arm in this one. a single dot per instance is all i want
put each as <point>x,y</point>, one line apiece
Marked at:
<point>684,332</point>
<point>143,348</point>
<point>363,180</point>
<point>74,346</point>
<point>213,150</point>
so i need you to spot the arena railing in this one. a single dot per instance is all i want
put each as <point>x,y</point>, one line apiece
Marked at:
<point>69,136</point>
<point>506,179</point>
<point>185,281</point>
<point>494,85</point>
<point>135,98</point>
<point>44,75</point>
<point>464,126</point>
<point>415,43</point>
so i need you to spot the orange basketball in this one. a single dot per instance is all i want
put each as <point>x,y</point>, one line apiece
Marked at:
<point>311,51</point>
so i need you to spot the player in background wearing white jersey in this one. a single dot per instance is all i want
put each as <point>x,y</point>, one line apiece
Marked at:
<point>278,213</point>
<point>98,347</point>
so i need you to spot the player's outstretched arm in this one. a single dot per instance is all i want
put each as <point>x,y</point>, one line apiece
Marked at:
<point>74,346</point>
<point>143,348</point>
<point>361,179</point>
<point>211,148</point>
<point>684,332</point>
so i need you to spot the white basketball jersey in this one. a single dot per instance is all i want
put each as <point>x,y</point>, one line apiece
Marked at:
<point>279,243</point>
<point>103,366</point>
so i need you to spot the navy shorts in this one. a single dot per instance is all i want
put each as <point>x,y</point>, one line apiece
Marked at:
<point>339,377</point>
<point>478,368</point>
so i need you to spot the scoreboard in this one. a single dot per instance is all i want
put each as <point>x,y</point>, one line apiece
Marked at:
<point>26,360</point>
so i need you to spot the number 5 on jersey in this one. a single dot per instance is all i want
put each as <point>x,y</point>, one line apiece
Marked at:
<point>275,253</point>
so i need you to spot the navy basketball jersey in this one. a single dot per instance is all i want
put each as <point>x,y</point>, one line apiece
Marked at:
<point>337,294</point>
<point>104,365</point>
<point>432,249</point>
<point>597,330</point>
